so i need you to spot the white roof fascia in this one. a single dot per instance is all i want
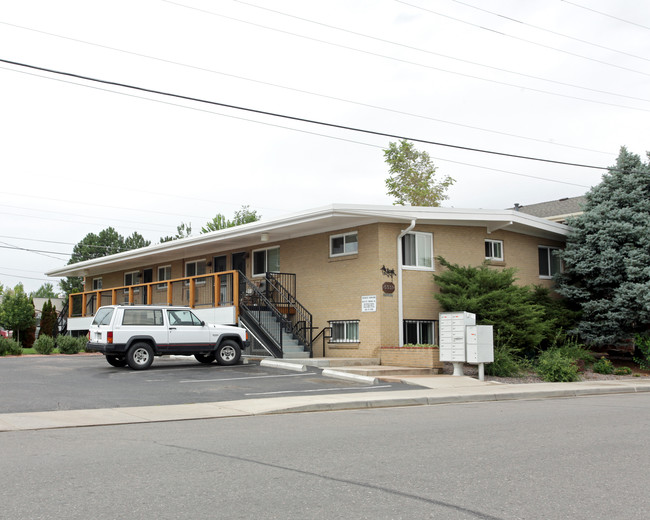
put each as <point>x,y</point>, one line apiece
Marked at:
<point>325,219</point>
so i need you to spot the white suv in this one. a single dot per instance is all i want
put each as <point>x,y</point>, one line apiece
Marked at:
<point>133,334</point>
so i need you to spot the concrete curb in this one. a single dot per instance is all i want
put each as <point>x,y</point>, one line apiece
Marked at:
<point>286,366</point>
<point>328,372</point>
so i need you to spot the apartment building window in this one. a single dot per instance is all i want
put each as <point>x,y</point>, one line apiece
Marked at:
<point>266,260</point>
<point>132,278</point>
<point>195,268</point>
<point>549,261</point>
<point>418,332</point>
<point>164,273</point>
<point>97,284</point>
<point>345,331</point>
<point>344,244</point>
<point>494,250</point>
<point>417,250</point>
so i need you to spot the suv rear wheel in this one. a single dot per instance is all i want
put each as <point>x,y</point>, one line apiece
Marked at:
<point>228,353</point>
<point>140,356</point>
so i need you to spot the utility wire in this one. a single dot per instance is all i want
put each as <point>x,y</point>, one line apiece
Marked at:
<point>607,15</point>
<point>549,30</point>
<point>310,93</point>
<point>408,62</point>
<point>304,120</point>
<point>509,172</point>
<point>529,76</point>
<point>28,277</point>
<point>522,39</point>
<point>9,246</point>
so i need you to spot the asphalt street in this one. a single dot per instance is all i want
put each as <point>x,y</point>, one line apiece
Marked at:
<point>48,383</point>
<point>579,458</point>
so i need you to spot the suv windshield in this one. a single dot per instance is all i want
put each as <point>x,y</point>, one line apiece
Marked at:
<point>103,316</point>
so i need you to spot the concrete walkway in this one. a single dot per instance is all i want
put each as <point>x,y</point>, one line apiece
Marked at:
<point>427,390</point>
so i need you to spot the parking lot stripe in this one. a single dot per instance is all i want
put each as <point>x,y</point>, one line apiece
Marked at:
<point>241,378</point>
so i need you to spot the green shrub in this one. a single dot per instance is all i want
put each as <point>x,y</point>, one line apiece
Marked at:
<point>554,366</point>
<point>506,362</point>
<point>622,371</point>
<point>70,344</point>
<point>642,343</point>
<point>10,347</point>
<point>44,344</point>
<point>603,366</point>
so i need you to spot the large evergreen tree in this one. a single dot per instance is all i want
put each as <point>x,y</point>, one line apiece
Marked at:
<point>607,255</point>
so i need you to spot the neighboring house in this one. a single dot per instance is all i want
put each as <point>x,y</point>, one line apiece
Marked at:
<point>346,279</point>
<point>555,210</point>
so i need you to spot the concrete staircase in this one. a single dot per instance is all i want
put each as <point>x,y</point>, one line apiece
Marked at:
<point>291,348</point>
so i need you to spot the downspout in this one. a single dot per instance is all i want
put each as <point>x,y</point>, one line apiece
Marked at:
<point>400,307</point>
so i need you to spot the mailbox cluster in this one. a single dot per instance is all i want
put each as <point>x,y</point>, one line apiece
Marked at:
<point>463,341</point>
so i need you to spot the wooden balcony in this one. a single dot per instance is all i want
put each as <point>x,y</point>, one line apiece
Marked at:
<point>203,291</point>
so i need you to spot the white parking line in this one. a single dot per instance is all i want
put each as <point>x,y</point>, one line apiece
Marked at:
<point>320,390</point>
<point>240,378</point>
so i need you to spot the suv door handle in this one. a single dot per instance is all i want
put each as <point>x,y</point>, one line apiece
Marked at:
<point>172,328</point>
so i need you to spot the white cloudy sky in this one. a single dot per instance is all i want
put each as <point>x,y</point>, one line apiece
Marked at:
<point>542,78</point>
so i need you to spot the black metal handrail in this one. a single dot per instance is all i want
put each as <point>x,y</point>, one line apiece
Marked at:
<point>267,318</point>
<point>284,296</point>
<point>324,332</point>
<point>62,319</point>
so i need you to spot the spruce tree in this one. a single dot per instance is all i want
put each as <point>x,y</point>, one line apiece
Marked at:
<point>607,256</point>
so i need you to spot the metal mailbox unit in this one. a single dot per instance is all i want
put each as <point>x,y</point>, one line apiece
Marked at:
<point>462,341</point>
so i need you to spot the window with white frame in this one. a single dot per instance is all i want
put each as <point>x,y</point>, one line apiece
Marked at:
<point>195,268</point>
<point>266,260</point>
<point>345,331</point>
<point>164,273</point>
<point>97,284</point>
<point>549,261</point>
<point>417,250</point>
<point>418,332</point>
<point>344,244</point>
<point>132,278</point>
<point>494,250</point>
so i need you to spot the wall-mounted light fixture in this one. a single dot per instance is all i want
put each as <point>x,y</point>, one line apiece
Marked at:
<point>264,237</point>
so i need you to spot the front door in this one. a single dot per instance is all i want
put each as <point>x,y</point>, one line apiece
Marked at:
<point>186,332</point>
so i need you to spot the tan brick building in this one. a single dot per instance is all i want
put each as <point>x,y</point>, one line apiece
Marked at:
<point>363,273</point>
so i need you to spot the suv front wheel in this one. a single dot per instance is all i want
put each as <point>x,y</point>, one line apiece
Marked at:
<point>228,353</point>
<point>139,356</point>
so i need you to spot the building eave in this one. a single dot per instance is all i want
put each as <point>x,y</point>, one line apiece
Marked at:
<point>310,222</point>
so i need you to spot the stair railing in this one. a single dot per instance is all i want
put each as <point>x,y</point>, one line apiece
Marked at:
<point>263,315</point>
<point>283,297</point>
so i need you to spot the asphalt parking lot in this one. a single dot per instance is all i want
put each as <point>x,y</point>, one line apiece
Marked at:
<point>47,383</point>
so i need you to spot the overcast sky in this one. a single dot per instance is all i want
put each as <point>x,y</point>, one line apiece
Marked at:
<point>544,78</point>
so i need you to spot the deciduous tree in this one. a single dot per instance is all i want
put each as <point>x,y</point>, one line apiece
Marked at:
<point>412,177</point>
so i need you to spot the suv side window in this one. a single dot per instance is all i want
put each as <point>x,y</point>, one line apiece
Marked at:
<point>183,318</point>
<point>103,316</point>
<point>142,317</point>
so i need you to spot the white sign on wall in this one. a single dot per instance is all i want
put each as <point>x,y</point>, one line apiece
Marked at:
<point>369,304</point>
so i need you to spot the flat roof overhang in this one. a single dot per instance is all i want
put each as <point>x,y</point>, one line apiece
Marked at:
<point>310,222</point>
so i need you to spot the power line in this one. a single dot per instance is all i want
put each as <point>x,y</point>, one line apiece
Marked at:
<point>516,73</point>
<point>9,246</point>
<point>447,71</point>
<point>549,30</point>
<point>607,15</point>
<point>522,39</point>
<point>304,120</point>
<point>310,93</point>
<point>28,277</point>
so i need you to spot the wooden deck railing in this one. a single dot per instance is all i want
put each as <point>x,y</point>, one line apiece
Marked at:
<point>202,291</point>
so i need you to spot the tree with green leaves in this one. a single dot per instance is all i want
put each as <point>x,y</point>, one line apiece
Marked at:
<point>106,242</point>
<point>607,256</point>
<point>242,216</point>
<point>45,291</point>
<point>183,230</point>
<point>412,178</point>
<point>16,310</point>
<point>49,324</point>
<point>492,294</point>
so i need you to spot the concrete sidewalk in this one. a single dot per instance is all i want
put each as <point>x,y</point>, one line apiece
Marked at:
<point>429,391</point>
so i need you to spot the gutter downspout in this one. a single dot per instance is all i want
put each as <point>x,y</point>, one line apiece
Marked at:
<point>400,308</point>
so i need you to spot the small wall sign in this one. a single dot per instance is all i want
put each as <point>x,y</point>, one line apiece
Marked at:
<point>369,304</point>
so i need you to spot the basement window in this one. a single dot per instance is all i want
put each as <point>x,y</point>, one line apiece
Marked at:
<point>345,331</point>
